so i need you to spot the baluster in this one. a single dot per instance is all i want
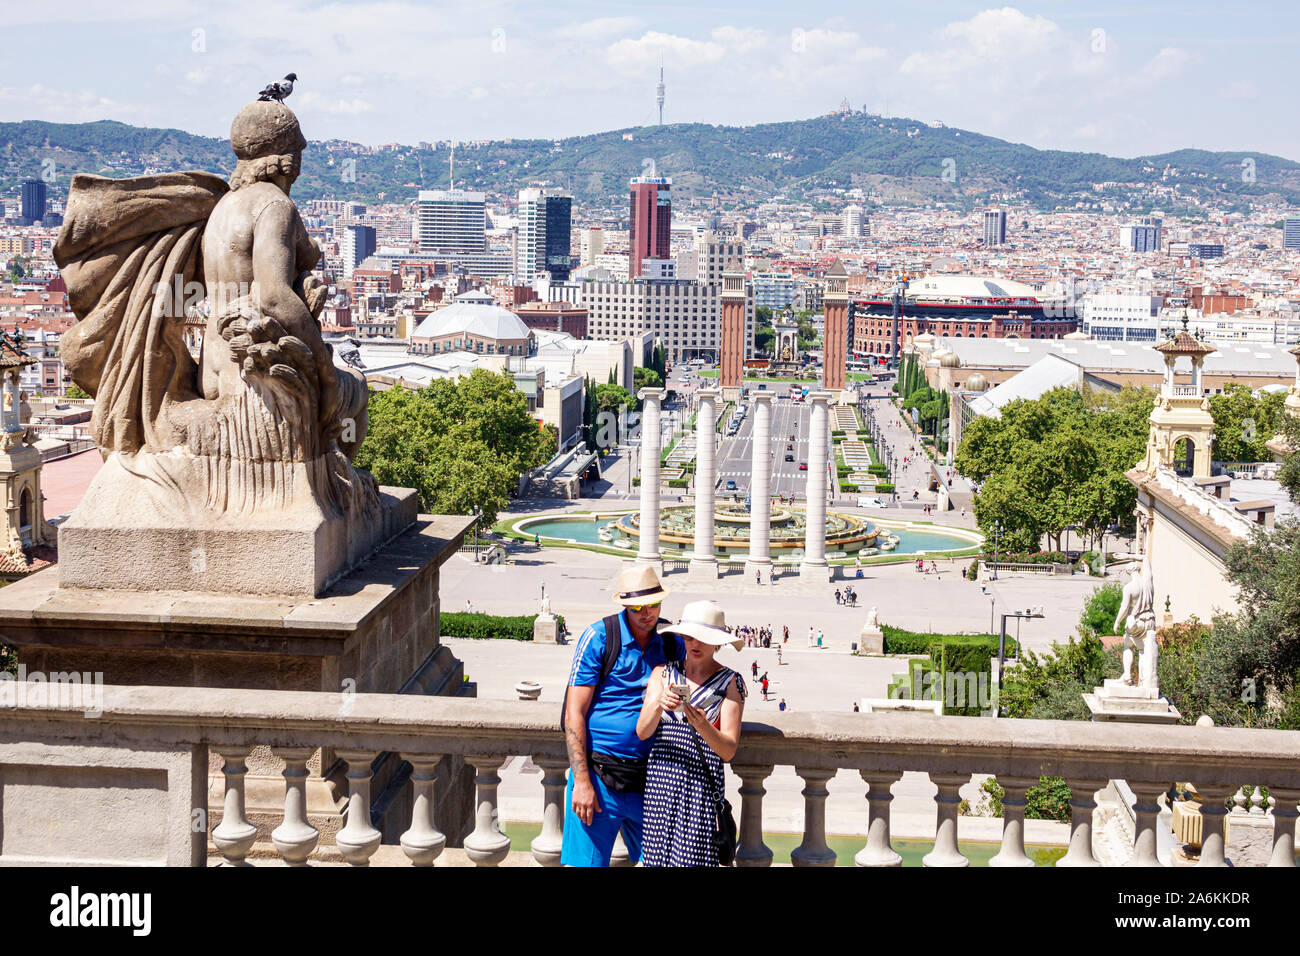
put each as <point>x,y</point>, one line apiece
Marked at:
<point>1239,800</point>
<point>234,835</point>
<point>358,840</point>
<point>295,838</point>
<point>1284,816</point>
<point>813,851</point>
<point>1214,798</point>
<point>878,851</point>
<point>1146,813</point>
<point>1012,852</point>
<point>487,845</point>
<point>1083,800</point>
<point>1257,799</point>
<point>750,848</point>
<point>423,841</point>
<point>946,801</point>
<point>548,844</point>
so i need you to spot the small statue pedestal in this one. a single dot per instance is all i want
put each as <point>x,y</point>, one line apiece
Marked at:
<point>871,640</point>
<point>546,629</point>
<point>1115,700</point>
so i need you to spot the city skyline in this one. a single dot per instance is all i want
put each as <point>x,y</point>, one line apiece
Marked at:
<point>1107,80</point>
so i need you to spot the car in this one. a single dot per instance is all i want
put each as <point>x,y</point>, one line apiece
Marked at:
<point>803,466</point>
<point>731,484</point>
<point>789,457</point>
<point>789,446</point>
<point>762,386</point>
<point>870,503</point>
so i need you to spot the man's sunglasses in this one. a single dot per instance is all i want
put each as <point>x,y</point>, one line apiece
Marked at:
<point>638,608</point>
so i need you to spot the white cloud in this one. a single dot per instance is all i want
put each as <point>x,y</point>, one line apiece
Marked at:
<point>1168,62</point>
<point>635,56</point>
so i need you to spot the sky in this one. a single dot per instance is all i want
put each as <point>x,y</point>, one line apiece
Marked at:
<point>1102,77</point>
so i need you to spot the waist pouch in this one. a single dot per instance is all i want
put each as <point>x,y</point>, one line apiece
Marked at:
<point>620,774</point>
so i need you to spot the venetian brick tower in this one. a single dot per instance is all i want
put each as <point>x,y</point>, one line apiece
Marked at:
<point>731,359</point>
<point>835,340</point>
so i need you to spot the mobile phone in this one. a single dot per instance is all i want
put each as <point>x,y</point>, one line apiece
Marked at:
<point>683,692</point>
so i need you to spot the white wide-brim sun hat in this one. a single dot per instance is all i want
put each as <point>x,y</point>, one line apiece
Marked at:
<point>706,622</point>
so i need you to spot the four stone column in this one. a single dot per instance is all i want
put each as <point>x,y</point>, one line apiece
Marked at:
<point>703,561</point>
<point>648,552</point>
<point>814,557</point>
<point>760,490</point>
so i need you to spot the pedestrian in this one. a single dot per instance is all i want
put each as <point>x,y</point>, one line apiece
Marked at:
<point>837,596</point>
<point>785,628</point>
<point>469,606</point>
<point>779,662</point>
<point>855,707</point>
<point>763,680</point>
<point>758,576</point>
<point>819,637</point>
<point>782,705</point>
<point>687,750</point>
<point>607,757</point>
<point>812,635</point>
<point>754,669</point>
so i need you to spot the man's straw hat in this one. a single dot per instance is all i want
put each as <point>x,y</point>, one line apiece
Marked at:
<point>638,585</point>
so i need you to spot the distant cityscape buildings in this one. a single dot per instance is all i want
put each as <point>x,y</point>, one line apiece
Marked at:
<point>451,220</point>
<point>1291,232</point>
<point>1143,236</point>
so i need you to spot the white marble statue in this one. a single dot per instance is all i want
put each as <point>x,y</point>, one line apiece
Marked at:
<point>1137,613</point>
<point>873,619</point>
<point>546,605</point>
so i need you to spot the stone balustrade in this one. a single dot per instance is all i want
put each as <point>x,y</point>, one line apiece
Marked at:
<point>129,784</point>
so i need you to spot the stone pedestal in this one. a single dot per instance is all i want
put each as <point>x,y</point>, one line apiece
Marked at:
<point>120,538</point>
<point>546,629</point>
<point>1116,700</point>
<point>871,640</point>
<point>374,631</point>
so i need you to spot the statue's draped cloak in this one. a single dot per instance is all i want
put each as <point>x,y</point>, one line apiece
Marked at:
<point>128,250</point>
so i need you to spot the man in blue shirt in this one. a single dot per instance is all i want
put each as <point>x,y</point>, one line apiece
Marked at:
<point>606,758</point>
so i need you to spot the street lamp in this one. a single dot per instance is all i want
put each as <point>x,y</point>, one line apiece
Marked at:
<point>1034,611</point>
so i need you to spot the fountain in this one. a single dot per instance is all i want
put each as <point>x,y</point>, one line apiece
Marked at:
<point>845,533</point>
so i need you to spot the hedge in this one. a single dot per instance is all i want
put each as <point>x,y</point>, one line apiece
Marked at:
<point>846,487</point>
<point>885,487</point>
<point>877,469</point>
<point>481,626</point>
<point>842,470</point>
<point>899,641</point>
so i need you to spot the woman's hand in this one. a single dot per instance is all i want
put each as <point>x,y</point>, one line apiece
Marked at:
<point>696,718</point>
<point>668,699</point>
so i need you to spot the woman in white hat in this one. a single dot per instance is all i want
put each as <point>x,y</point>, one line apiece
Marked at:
<point>693,713</point>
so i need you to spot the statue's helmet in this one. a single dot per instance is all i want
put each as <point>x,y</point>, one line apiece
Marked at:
<point>265,129</point>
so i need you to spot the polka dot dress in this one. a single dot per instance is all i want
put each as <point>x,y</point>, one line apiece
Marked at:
<point>678,805</point>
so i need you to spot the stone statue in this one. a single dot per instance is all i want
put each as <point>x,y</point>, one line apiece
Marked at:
<point>1138,618</point>
<point>873,619</point>
<point>546,605</point>
<point>261,430</point>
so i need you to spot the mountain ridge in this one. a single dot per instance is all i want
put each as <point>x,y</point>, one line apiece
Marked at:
<point>892,159</point>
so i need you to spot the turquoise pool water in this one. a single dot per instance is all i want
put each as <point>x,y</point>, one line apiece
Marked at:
<point>583,529</point>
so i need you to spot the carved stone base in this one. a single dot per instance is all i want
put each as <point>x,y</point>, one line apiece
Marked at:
<point>1127,702</point>
<point>124,535</point>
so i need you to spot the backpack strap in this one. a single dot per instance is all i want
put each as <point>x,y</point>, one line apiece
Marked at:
<point>607,661</point>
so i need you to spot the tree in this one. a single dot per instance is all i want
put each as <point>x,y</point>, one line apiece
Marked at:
<point>1056,462</point>
<point>1243,423</point>
<point>764,340</point>
<point>646,378</point>
<point>763,317</point>
<point>614,400</point>
<point>75,391</point>
<point>461,445</point>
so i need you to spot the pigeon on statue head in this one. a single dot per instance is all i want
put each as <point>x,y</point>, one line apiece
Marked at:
<point>279,89</point>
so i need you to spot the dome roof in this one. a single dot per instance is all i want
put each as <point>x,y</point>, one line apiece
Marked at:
<point>949,359</point>
<point>1077,336</point>
<point>488,321</point>
<point>924,339</point>
<point>975,382</point>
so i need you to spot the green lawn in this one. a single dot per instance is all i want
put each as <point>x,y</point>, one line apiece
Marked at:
<point>979,854</point>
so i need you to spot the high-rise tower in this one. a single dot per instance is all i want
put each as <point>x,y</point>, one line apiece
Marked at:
<point>659,94</point>
<point>651,217</point>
